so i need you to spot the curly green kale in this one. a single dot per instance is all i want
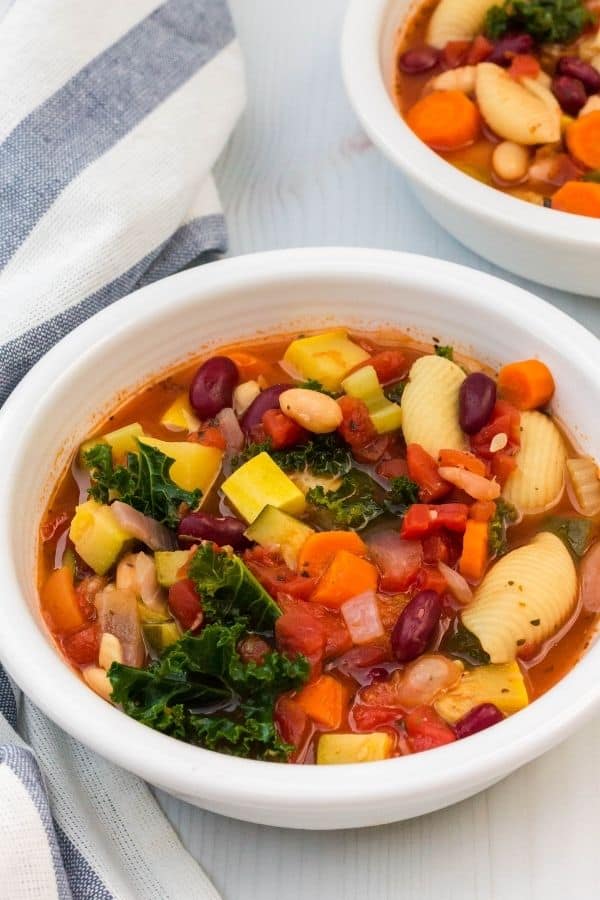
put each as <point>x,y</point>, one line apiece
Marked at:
<point>144,482</point>
<point>311,384</point>
<point>352,505</point>
<point>547,21</point>
<point>444,350</point>
<point>403,493</point>
<point>197,676</point>
<point>505,514</point>
<point>229,590</point>
<point>324,454</point>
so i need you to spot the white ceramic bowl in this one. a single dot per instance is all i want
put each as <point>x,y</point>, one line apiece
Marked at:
<point>555,248</point>
<point>54,407</point>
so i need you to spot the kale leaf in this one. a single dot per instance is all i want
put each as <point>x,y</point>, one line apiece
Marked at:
<point>505,514</point>
<point>444,350</point>
<point>323,454</point>
<point>404,490</point>
<point>547,21</point>
<point>576,534</point>
<point>198,675</point>
<point>394,393</point>
<point>311,384</point>
<point>463,644</point>
<point>144,482</point>
<point>352,505</point>
<point>229,590</point>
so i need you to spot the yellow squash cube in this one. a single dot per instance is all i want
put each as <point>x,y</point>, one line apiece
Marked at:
<point>503,685</point>
<point>259,483</point>
<point>364,385</point>
<point>194,466</point>
<point>121,441</point>
<point>326,357</point>
<point>98,537</point>
<point>180,416</point>
<point>274,528</point>
<point>336,749</point>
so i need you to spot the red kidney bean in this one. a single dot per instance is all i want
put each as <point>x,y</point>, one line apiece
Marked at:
<point>222,530</point>
<point>476,400</point>
<point>212,386</point>
<point>415,626</point>
<point>510,46</point>
<point>584,72</point>
<point>267,399</point>
<point>570,93</point>
<point>477,719</point>
<point>419,59</point>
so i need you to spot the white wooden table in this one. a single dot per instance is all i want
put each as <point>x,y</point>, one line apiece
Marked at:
<point>299,171</point>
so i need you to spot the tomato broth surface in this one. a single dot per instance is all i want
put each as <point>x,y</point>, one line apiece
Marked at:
<point>329,598</point>
<point>507,100</point>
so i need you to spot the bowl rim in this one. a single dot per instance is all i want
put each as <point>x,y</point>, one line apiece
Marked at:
<point>213,777</point>
<point>369,96</point>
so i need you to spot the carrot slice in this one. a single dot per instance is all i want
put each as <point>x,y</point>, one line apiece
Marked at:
<point>474,556</point>
<point>347,576</point>
<point>582,198</point>
<point>446,120</point>
<point>527,384</point>
<point>318,550</point>
<point>583,140</point>
<point>324,701</point>
<point>463,460</point>
<point>59,604</point>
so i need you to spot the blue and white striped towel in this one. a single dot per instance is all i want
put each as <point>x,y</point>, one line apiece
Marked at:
<point>112,114</point>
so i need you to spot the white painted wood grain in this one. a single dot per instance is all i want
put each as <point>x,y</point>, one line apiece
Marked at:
<point>299,171</point>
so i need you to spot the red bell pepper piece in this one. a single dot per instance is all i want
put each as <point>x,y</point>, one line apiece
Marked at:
<point>423,519</point>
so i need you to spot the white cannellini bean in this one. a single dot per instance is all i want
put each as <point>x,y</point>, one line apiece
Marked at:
<point>314,411</point>
<point>510,161</point>
<point>110,651</point>
<point>97,679</point>
<point>244,395</point>
<point>460,79</point>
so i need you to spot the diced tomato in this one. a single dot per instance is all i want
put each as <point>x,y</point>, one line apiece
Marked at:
<point>269,568</point>
<point>393,468</point>
<point>506,419</point>
<point>209,436</point>
<point>398,560</point>
<point>423,519</point>
<point>184,604</point>
<point>253,648</point>
<point>503,465</point>
<point>455,53</point>
<point>373,451</point>
<point>443,547</point>
<point>361,658</point>
<point>427,730</point>
<point>83,646</point>
<point>357,428</point>
<point>281,430</point>
<point>296,631</point>
<point>292,723</point>
<point>370,718</point>
<point>524,66</point>
<point>390,365</point>
<point>336,635</point>
<point>479,50</point>
<point>423,469</point>
<point>429,578</point>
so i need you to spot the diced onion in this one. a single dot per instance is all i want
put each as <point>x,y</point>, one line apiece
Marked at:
<point>230,427</point>
<point>589,579</point>
<point>361,615</point>
<point>457,585</point>
<point>145,529</point>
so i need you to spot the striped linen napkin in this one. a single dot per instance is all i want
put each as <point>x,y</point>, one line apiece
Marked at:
<point>115,113</point>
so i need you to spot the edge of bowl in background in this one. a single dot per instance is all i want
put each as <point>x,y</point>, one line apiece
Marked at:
<point>49,412</point>
<point>550,247</point>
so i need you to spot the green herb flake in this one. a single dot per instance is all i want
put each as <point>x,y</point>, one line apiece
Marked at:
<point>447,352</point>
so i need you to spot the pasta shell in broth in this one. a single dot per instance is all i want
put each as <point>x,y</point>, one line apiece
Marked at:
<point>456,20</point>
<point>538,481</point>
<point>524,599</point>
<point>430,405</point>
<point>524,112</point>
